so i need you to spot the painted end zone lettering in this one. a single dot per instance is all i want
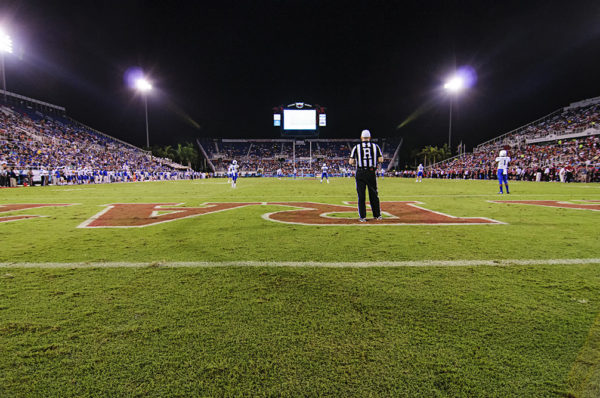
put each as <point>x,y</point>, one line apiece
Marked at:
<point>137,215</point>
<point>24,206</point>
<point>400,213</point>
<point>593,205</point>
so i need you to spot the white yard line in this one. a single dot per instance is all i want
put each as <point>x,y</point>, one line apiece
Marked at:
<point>72,189</point>
<point>365,264</point>
<point>408,197</point>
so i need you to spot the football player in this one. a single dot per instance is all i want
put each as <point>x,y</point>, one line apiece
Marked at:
<point>503,161</point>
<point>234,173</point>
<point>420,173</point>
<point>324,174</point>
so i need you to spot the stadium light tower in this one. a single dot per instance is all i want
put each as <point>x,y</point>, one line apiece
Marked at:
<point>5,47</point>
<point>144,86</point>
<point>453,86</point>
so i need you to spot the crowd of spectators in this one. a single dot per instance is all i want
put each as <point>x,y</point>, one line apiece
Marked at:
<point>564,146</point>
<point>567,121</point>
<point>36,148</point>
<point>261,157</point>
<point>573,160</point>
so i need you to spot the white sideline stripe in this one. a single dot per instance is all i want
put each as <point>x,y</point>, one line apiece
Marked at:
<point>365,264</point>
<point>407,197</point>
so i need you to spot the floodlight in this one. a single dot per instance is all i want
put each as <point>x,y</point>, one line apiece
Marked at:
<point>455,84</point>
<point>5,43</point>
<point>464,78</point>
<point>143,85</point>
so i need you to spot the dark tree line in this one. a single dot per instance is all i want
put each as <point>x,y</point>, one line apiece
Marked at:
<point>432,154</point>
<point>186,154</point>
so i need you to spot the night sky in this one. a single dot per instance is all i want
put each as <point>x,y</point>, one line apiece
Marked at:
<point>220,66</point>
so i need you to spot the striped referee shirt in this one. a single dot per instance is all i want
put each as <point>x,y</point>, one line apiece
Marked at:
<point>366,154</point>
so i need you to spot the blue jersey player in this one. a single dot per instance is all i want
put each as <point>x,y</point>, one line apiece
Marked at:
<point>324,174</point>
<point>234,173</point>
<point>503,161</point>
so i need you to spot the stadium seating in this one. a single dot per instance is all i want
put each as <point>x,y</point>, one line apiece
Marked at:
<point>39,148</point>
<point>264,157</point>
<point>563,146</point>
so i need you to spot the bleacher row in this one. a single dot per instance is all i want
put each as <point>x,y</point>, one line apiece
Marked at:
<point>264,157</point>
<point>36,147</point>
<point>566,142</point>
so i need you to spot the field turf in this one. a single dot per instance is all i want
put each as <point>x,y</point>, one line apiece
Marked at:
<point>162,311</point>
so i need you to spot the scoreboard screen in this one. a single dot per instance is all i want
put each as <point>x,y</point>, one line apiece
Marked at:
<point>299,119</point>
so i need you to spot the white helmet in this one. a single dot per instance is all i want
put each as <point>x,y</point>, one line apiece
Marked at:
<point>324,165</point>
<point>234,162</point>
<point>503,153</point>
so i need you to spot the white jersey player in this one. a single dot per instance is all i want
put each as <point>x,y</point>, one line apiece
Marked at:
<point>420,173</point>
<point>503,162</point>
<point>324,174</point>
<point>229,171</point>
<point>234,173</point>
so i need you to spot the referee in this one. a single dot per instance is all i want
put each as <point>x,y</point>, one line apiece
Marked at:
<point>366,156</point>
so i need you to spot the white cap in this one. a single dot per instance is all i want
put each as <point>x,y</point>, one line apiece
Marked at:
<point>365,134</point>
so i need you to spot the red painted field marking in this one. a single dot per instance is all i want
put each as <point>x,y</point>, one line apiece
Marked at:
<point>24,206</point>
<point>593,205</point>
<point>137,215</point>
<point>401,212</point>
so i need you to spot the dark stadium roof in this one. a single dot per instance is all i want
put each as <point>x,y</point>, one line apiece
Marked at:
<point>220,66</point>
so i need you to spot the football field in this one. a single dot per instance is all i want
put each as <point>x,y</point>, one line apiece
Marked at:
<point>192,288</point>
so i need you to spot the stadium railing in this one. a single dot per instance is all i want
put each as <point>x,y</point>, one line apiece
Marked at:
<point>517,130</point>
<point>565,134</point>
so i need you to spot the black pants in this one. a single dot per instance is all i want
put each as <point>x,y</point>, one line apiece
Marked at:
<point>365,178</point>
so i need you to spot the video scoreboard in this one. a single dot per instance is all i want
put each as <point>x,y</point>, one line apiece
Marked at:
<point>299,119</point>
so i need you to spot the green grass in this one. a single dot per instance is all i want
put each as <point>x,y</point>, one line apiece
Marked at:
<point>241,234</point>
<point>486,331</point>
<point>518,331</point>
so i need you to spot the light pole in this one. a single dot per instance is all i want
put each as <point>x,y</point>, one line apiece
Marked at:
<point>5,47</point>
<point>453,86</point>
<point>143,86</point>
